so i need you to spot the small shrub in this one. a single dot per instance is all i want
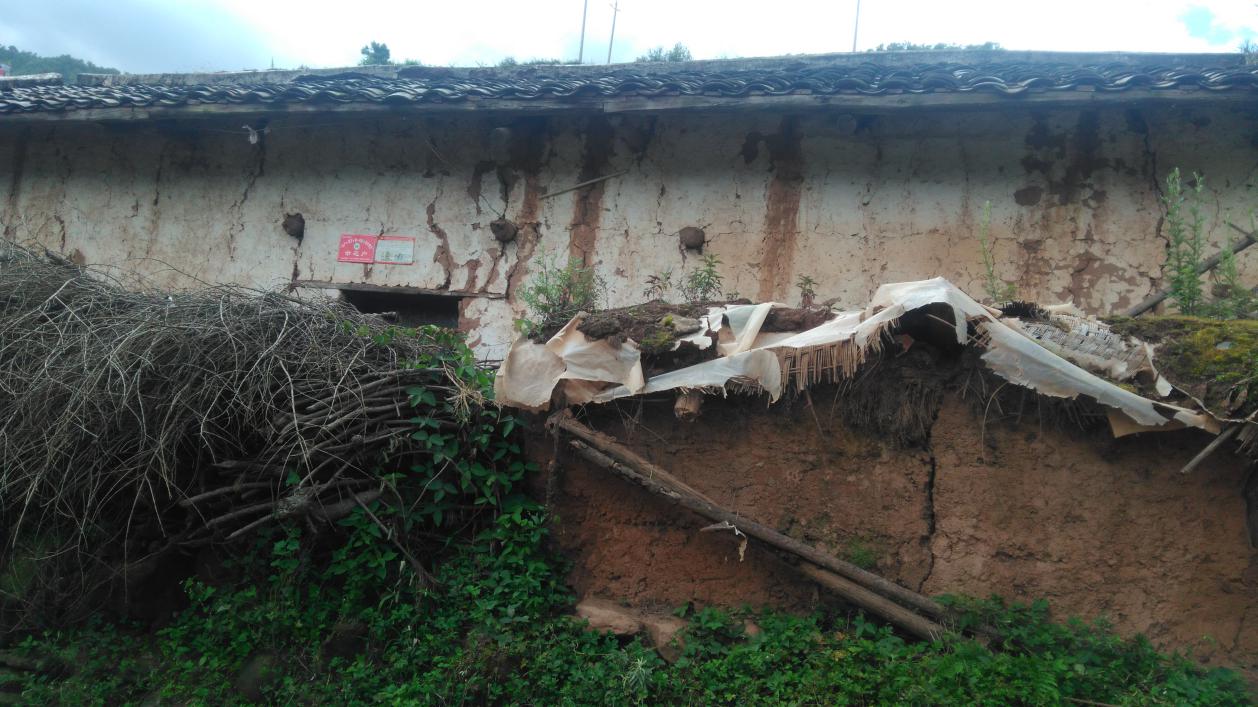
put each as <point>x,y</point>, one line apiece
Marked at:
<point>556,294</point>
<point>704,282</point>
<point>1185,234</point>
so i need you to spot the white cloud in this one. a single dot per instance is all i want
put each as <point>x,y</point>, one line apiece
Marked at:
<point>299,32</point>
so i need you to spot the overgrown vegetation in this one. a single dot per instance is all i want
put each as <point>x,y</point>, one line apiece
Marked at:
<point>998,291</point>
<point>497,635</point>
<point>556,294</point>
<point>22,63</point>
<point>679,52</point>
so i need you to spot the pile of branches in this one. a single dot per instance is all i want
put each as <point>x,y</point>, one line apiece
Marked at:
<point>137,423</point>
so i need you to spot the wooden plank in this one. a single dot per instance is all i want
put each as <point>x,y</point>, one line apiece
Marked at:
<point>391,289</point>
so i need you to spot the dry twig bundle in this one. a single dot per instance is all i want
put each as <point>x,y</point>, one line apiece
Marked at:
<point>137,423</point>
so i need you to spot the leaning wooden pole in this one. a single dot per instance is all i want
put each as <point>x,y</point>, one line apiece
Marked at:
<point>604,451</point>
<point>1206,265</point>
<point>817,564</point>
<point>876,604</point>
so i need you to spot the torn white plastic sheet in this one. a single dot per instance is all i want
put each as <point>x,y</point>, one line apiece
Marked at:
<point>595,371</point>
<point>529,374</point>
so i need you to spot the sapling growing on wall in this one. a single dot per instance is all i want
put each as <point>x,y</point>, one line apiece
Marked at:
<point>658,285</point>
<point>998,291</point>
<point>704,282</point>
<point>1185,236</point>
<point>1232,299</point>
<point>556,294</point>
<point>807,291</point>
<point>1186,241</point>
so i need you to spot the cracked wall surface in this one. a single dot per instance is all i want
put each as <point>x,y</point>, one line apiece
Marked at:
<point>849,200</point>
<point>1100,527</point>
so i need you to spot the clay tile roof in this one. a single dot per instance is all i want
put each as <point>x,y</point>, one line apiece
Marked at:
<point>735,79</point>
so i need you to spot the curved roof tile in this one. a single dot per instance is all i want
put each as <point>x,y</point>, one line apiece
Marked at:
<point>869,79</point>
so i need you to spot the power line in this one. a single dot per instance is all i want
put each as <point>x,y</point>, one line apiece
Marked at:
<point>612,40</point>
<point>585,10</point>
<point>856,26</point>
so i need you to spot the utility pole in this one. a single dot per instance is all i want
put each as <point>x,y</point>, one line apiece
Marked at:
<point>610,42</point>
<point>585,10</point>
<point>857,26</point>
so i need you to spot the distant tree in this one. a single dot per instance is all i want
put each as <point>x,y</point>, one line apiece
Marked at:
<point>375,54</point>
<point>679,52</point>
<point>914,47</point>
<point>511,61</point>
<point>24,63</point>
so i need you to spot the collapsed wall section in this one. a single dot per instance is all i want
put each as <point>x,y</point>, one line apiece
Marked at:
<point>1001,500</point>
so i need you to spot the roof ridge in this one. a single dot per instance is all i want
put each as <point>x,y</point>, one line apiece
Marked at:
<point>49,79</point>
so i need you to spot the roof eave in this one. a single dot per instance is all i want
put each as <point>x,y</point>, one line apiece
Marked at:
<point>643,104</point>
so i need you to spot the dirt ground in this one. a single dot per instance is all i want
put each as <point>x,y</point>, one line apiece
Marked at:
<point>1024,509</point>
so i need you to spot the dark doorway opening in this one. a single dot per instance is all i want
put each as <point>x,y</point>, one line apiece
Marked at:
<point>407,309</point>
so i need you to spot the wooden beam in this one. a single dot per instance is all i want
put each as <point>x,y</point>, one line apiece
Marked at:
<point>1228,433</point>
<point>391,289</point>
<point>586,183</point>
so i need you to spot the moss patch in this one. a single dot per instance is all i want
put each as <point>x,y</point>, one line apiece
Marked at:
<point>1214,361</point>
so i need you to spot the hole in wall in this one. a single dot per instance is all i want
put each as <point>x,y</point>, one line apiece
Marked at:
<point>406,308</point>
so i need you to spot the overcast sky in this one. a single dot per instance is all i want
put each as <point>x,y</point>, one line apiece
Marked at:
<point>196,35</point>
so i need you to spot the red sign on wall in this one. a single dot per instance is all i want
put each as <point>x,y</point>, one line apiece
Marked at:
<point>357,249</point>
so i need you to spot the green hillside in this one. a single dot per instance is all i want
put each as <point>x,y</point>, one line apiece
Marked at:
<point>22,63</point>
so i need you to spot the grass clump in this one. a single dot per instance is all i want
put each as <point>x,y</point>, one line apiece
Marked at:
<point>998,291</point>
<point>861,553</point>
